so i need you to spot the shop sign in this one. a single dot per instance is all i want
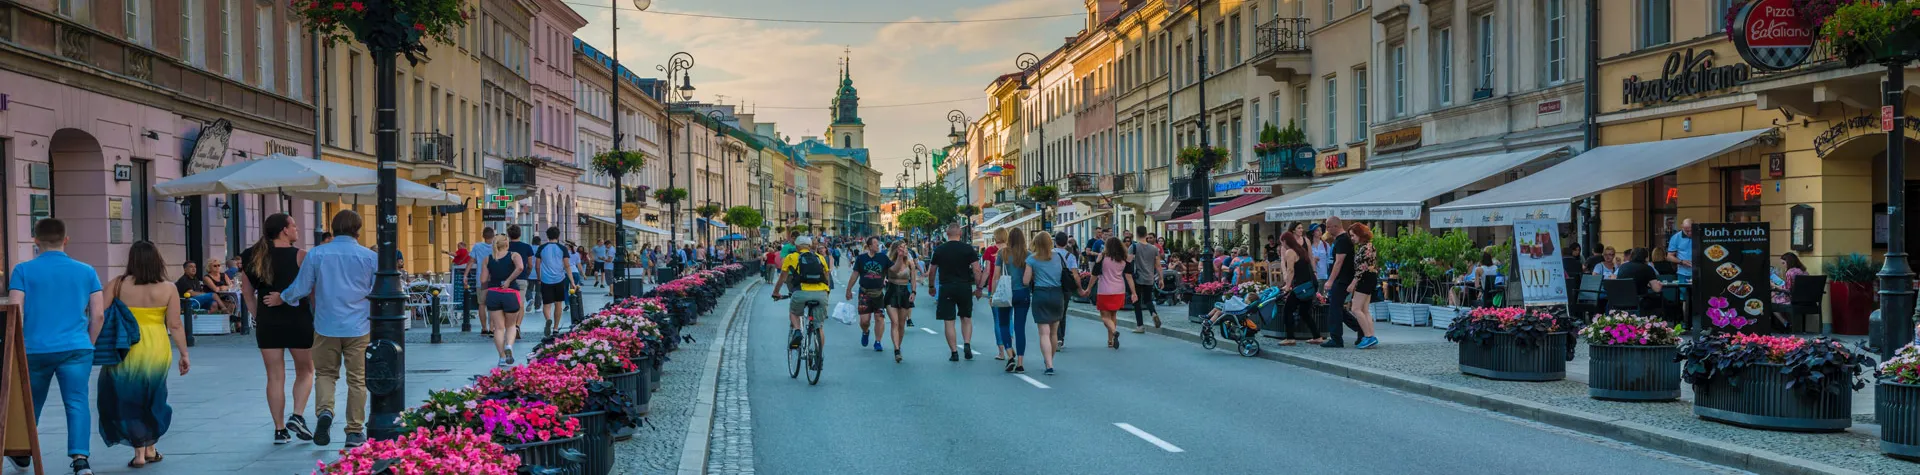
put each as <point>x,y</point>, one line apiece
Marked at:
<point>1801,228</point>
<point>1771,36</point>
<point>1257,190</point>
<point>1223,187</point>
<point>1776,165</point>
<point>1396,140</point>
<point>1843,130</point>
<point>1732,279</point>
<point>1543,279</point>
<point>274,147</point>
<point>629,209</point>
<point>1683,76</point>
<point>1333,161</point>
<point>493,215</point>
<point>209,149</point>
<point>1551,107</point>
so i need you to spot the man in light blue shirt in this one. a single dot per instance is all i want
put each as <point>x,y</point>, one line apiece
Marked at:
<point>338,276</point>
<point>62,311</point>
<point>1680,251</point>
<point>555,271</point>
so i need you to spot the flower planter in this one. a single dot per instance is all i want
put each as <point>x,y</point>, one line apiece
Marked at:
<point>1440,315</point>
<point>1198,308</point>
<point>1757,397</point>
<point>552,454</point>
<point>635,384</point>
<point>1897,407</point>
<point>1633,373</point>
<point>1501,358</point>
<point>596,442</point>
<point>1380,311</point>
<point>1851,304</point>
<point>1410,313</point>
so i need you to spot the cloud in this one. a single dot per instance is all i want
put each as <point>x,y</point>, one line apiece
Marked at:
<point>796,65</point>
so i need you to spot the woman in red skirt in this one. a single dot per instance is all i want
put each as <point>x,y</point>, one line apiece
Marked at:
<point>1113,285</point>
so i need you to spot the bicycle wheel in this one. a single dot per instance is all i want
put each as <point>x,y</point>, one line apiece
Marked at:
<point>813,357</point>
<point>793,361</point>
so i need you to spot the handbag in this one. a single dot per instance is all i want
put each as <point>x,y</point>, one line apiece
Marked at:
<point>1002,290</point>
<point>1306,290</point>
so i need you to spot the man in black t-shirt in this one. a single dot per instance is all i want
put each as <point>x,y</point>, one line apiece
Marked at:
<point>1339,277</point>
<point>955,271</point>
<point>1645,279</point>
<point>869,277</point>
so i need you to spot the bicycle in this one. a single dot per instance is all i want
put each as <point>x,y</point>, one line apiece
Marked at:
<point>809,350</point>
<point>1239,326</point>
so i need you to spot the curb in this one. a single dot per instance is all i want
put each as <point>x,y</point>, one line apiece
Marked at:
<point>1664,440</point>
<point>693,450</point>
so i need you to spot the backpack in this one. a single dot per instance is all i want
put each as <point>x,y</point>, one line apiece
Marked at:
<point>809,269</point>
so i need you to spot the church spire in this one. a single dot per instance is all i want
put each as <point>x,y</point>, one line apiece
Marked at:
<point>846,100</point>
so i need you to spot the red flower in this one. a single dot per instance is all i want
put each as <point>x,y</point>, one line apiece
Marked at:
<point>420,27</point>
<point>359,7</point>
<point>313,6</point>
<point>339,6</point>
<point>1916,12</point>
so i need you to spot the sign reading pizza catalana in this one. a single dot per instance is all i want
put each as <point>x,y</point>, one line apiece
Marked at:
<point>1771,36</point>
<point>1683,75</point>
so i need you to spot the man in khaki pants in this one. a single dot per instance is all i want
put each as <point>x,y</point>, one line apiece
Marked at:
<point>338,275</point>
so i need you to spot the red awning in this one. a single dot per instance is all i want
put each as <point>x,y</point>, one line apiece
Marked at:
<point>1236,202</point>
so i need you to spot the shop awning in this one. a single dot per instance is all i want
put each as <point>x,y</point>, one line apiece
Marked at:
<point>996,220</point>
<point>631,224</point>
<point>1397,193</point>
<point>1166,210</point>
<point>1550,193</point>
<point>1009,224</point>
<point>1192,220</point>
<point>1259,210</point>
<point>1081,219</point>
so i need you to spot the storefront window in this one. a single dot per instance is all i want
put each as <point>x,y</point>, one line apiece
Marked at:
<point>1663,208</point>
<point>1743,194</point>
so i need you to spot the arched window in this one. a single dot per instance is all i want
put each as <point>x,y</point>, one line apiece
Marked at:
<point>846,140</point>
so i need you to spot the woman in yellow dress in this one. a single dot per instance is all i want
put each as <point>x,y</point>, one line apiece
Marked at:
<point>133,394</point>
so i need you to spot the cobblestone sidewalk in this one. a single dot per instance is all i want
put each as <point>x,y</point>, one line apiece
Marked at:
<point>655,449</point>
<point>730,449</point>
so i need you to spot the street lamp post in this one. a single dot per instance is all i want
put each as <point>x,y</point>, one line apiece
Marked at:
<point>619,188</point>
<point>1206,156</point>
<point>957,134</point>
<point>677,63</point>
<point>706,190</point>
<point>1896,275</point>
<point>1023,62</point>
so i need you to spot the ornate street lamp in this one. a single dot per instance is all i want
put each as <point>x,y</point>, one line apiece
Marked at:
<point>957,134</point>
<point>677,63</point>
<point>1024,62</point>
<point>619,189</point>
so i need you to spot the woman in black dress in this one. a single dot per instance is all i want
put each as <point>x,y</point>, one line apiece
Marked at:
<point>269,266</point>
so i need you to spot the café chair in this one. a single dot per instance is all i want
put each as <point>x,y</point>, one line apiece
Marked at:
<point>1586,296</point>
<point>1620,295</point>
<point>1803,307</point>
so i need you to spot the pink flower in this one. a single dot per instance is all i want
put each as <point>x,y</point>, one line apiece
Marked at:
<point>420,27</point>
<point>359,7</point>
<point>339,6</point>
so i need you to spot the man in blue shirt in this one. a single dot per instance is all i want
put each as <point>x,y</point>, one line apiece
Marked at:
<point>482,251</point>
<point>524,252</point>
<point>338,276</point>
<point>555,272</point>
<point>62,311</point>
<point>1680,251</point>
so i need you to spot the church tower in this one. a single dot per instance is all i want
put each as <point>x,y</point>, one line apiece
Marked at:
<point>847,131</point>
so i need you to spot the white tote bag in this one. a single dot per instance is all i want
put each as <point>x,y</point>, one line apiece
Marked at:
<point>844,313</point>
<point>1002,290</point>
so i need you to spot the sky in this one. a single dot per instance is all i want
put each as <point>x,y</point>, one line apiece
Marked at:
<point>788,72</point>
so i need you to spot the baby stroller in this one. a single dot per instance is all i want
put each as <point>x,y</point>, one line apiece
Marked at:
<point>1168,289</point>
<point>1242,324</point>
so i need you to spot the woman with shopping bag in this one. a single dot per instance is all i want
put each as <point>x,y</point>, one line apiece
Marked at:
<point>1010,302</point>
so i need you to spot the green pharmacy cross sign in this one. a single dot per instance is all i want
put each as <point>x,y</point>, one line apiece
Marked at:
<point>502,198</point>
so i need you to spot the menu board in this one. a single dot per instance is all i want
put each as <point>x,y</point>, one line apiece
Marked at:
<point>1731,283</point>
<point>1543,276</point>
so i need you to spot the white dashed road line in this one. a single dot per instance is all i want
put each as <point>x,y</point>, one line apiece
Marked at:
<point>929,331</point>
<point>1143,435</point>
<point>1035,382</point>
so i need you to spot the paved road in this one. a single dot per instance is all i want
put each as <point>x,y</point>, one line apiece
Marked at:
<point>1212,412</point>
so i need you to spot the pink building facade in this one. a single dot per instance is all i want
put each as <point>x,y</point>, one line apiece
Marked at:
<point>554,128</point>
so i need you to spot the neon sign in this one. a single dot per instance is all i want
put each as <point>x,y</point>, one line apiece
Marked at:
<point>1750,192</point>
<point>1673,195</point>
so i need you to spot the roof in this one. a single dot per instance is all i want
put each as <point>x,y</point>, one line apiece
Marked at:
<point>814,146</point>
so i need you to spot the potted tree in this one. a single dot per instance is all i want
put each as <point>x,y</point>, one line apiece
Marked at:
<point>1896,403</point>
<point>1850,286</point>
<point>1513,343</point>
<point>1632,358</point>
<point>1780,383</point>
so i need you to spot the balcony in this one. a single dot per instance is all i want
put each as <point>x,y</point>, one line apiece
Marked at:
<point>432,156</point>
<point>1188,190</point>
<point>1008,196</point>
<point>1281,50</point>
<point>1123,183</point>
<point>518,178</point>
<point>1287,163</point>
<point>1081,184</point>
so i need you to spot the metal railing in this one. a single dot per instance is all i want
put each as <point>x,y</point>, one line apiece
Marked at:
<point>1284,163</point>
<point>1078,183</point>
<point>1182,188</point>
<point>517,175</point>
<point>1134,182</point>
<point>432,147</point>
<point>1281,35</point>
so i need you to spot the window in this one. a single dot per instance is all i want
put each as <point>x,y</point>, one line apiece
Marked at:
<point>1399,62</point>
<point>1333,111</point>
<point>142,194</point>
<point>1237,132</point>
<point>263,46</point>
<point>1219,58</point>
<point>1717,18</point>
<point>77,10</point>
<point>1257,119</point>
<point>1743,188</point>
<point>1300,102</point>
<point>1656,22</point>
<point>193,39</point>
<point>1360,101</point>
<point>353,102</point>
<point>230,34</point>
<point>1330,16</point>
<point>294,66</point>
<point>139,24</point>
<point>1443,65</point>
<point>1483,57</point>
<point>1235,40</point>
<point>1663,209</point>
<point>1556,50</point>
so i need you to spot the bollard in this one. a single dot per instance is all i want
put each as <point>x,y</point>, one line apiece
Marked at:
<point>186,317</point>
<point>433,313</point>
<point>467,303</point>
<point>573,306</point>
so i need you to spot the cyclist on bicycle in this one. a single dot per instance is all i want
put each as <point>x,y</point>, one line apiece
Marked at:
<point>808,275</point>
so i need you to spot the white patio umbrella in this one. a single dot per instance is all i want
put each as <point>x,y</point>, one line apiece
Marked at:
<point>405,193</point>
<point>273,174</point>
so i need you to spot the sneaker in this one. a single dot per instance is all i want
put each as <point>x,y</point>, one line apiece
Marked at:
<point>1367,342</point>
<point>1139,329</point>
<point>1019,369</point>
<point>355,439</point>
<point>863,339</point>
<point>298,426</point>
<point>953,356</point>
<point>281,437</point>
<point>321,422</point>
<point>877,347</point>
<point>968,351</point>
<point>909,322</point>
<point>793,340</point>
<point>1333,344</point>
<point>509,356</point>
<point>20,461</point>
<point>504,362</point>
<point>81,467</point>
<point>1049,372</point>
<point>1010,366</point>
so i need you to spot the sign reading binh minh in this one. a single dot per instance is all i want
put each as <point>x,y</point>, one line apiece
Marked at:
<point>1771,36</point>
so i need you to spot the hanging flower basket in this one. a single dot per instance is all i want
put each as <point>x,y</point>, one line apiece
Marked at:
<point>1201,158</point>
<point>619,162</point>
<point>1867,32</point>
<point>1044,193</point>
<point>670,195</point>
<point>396,26</point>
<point>707,211</point>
